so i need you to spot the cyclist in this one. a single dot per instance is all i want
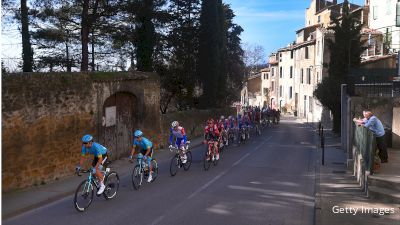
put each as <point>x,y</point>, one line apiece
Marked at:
<point>146,150</point>
<point>222,130</point>
<point>257,119</point>
<point>211,132</point>
<point>100,156</point>
<point>239,124</point>
<point>180,139</point>
<point>247,123</point>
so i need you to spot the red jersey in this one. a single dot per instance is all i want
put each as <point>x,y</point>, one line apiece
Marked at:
<point>211,131</point>
<point>221,126</point>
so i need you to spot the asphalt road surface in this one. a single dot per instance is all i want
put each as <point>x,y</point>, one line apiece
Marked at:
<point>268,180</point>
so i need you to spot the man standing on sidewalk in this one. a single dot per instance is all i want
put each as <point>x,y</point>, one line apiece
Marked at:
<point>375,125</point>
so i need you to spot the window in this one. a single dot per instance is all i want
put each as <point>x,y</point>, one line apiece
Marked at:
<point>280,90</point>
<point>319,19</point>
<point>291,71</point>
<point>265,76</point>
<point>308,75</point>
<point>272,86</point>
<point>280,57</point>
<point>301,76</point>
<point>291,54</point>
<point>306,54</point>
<point>375,12</point>
<point>290,92</point>
<point>310,104</point>
<point>273,72</point>
<point>266,91</point>
<point>280,72</point>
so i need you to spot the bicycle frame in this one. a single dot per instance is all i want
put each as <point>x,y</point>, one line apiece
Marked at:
<point>90,181</point>
<point>142,164</point>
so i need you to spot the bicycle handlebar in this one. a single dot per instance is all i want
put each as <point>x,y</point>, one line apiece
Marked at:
<point>186,147</point>
<point>79,172</point>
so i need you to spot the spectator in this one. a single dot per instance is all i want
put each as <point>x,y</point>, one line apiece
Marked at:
<point>375,125</point>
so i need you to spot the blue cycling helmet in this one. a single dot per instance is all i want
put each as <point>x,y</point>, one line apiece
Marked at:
<point>138,133</point>
<point>87,138</point>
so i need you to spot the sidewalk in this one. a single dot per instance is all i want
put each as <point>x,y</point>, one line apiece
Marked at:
<point>337,188</point>
<point>17,202</point>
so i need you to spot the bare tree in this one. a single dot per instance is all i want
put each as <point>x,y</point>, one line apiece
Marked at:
<point>254,57</point>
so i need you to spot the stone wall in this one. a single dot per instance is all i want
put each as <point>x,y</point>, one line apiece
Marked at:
<point>45,116</point>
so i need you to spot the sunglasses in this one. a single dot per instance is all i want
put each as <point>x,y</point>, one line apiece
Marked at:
<point>85,143</point>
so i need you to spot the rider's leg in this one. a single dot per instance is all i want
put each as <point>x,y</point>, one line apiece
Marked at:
<point>216,144</point>
<point>97,165</point>
<point>150,169</point>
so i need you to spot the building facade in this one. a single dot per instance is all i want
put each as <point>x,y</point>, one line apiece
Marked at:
<point>294,71</point>
<point>382,17</point>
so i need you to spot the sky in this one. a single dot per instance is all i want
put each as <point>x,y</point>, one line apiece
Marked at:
<point>271,23</point>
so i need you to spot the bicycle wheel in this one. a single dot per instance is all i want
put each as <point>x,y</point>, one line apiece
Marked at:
<point>231,139</point>
<point>137,177</point>
<point>243,137</point>
<point>154,164</point>
<point>186,165</point>
<point>83,196</point>
<point>207,160</point>
<point>112,185</point>
<point>173,168</point>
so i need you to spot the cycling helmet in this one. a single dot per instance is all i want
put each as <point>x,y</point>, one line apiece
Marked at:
<point>230,117</point>
<point>210,120</point>
<point>87,138</point>
<point>138,133</point>
<point>175,124</point>
<point>222,117</point>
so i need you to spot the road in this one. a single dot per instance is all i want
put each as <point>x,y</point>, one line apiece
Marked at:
<point>269,180</point>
